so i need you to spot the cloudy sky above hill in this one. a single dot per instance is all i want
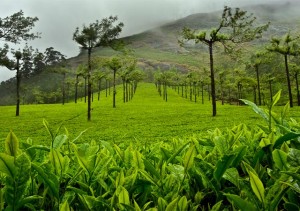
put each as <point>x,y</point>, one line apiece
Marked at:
<point>59,18</point>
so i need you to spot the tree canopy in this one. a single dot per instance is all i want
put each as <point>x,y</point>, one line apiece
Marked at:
<point>17,27</point>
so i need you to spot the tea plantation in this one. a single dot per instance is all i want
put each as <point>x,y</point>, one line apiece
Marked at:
<point>149,154</point>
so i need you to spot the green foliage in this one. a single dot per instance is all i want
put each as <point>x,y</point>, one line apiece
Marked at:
<point>244,167</point>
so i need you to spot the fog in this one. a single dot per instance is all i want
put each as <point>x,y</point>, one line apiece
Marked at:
<point>59,18</point>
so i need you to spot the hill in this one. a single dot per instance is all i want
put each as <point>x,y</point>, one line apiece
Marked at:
<point>159,48</point>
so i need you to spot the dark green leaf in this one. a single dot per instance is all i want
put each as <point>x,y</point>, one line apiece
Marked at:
<point>280,159</point>
<point>222,165</point>
<point>240,203</point>
<point>287,137</point>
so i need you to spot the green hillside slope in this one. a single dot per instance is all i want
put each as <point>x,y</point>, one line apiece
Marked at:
<point>158,48</point>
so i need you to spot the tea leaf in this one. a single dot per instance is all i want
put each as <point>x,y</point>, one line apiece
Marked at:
<point>294,157</point>
<point>65,206</point>
<point>183,204</point>
<point>280,159</point>
<point>177,152</point>
<point>52,184</point>
<point>12,144</point>
<point>151,168</point>
<point>232,175</point>
<point>136,206</point>
<point>256,109</point>
<point>276,97</point>
<point>217,206</point>
<point>284,138</point>
<point>162,204</point>
<point>172,206</point>
<point>222,165</point>
<point>240,203</point>
<point>7,165</point>
<point>59,141</point>
<point>148,177</point>
<point>256,184</point>
<point>137,160</point>
<point>188,159</point>
<point>124,196</point>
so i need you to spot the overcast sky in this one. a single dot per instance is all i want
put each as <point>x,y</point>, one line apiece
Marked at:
<point>59,18</point>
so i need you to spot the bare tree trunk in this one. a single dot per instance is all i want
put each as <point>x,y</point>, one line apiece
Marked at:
<point>254,94</point>
<point>114,89</point>
<point>270,89</point>
<point>297,87</point>
<point>124,90</point>
<point>63,89</point>
<point>258,85</point>
<point>89,84</point>
<point>202,92</point>
<point>106,87</point>
<point>18,77</point>
<point>76,89</point>
<point>212,78</point>
<point>288,79</point>
<point>99,89</point>
<point>85,90</point>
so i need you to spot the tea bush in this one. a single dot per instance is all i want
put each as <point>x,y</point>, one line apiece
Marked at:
<point>242,168</point>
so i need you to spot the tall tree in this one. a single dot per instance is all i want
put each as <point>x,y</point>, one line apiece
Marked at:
<point>295,71</point>
<point>256,61</point>
<point>53,57</point>
<point>17,27</point>
<point>100,33</point>
<point>115,64</point>
<point>286,46</point>
<point>235,27</point>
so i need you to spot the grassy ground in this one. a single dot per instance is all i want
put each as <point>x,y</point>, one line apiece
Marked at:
<point>147,118</point>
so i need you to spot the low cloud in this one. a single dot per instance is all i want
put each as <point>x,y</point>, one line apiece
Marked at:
<point>59,18</point>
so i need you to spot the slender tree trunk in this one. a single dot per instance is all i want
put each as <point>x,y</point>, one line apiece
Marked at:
<point>128,90</point>
<point>270,89</point>
<point>18,77</point>
<point>63,89</point>
<point>191,92</point>
<point>258,84</point>
<point>109,87</point>
<point>99,89</point>
<point>127,94</point>
<point>89,83</point>
<point>288,79</point>
<point>106,87</point>
<point>195,92</point>
<point>85,90</point>
<point>181,90</point>
<point>68,94</point>
<point>76,89</point>
<point>124,90</point>
<point>212,78</point>
<point>202,92</point>
<point>166,92</point>
<point>114,89</point>
<point>297,87</point>
<point>254,94</point>
<point>132,90</point>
